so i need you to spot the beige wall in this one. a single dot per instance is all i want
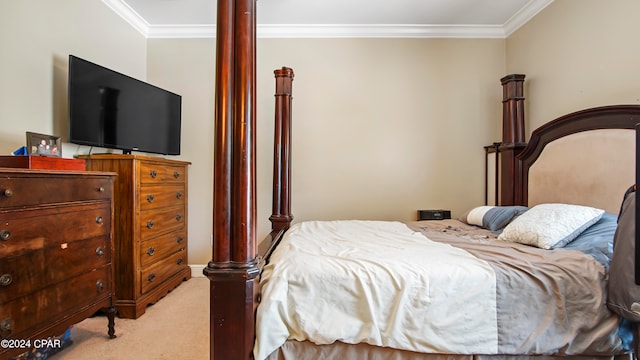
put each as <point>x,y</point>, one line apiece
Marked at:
<point>381,127</point>
<point>186,66</point>
<point>577,54</point>
<point>36,38</point>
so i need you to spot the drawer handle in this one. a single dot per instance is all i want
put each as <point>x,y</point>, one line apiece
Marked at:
<point>180,239</point>
<point>178,217</point>
<point>176,174</point>
<point>150,198</point>
<point>5,235</point>
<point>8,193</point>
<point>99,286</point>
<point>179,261</point>
<point>99,251</point>
<point>150,251</point>
<point>151,277</point>
<point>99,220</point>
<point>179,195</point>
<point>150,224</point>
<point>6,327</point>
<point>6,280</point>
<point>101,189</point>
<point>153,173</point>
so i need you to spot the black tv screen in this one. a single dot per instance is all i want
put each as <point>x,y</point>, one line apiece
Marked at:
<point>112,110</point>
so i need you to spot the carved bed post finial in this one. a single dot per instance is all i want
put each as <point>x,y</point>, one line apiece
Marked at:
<point>233,270</point>
<point>281,214</point>
<point>513,140</point>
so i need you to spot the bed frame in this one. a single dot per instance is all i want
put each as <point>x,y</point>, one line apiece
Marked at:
<point>235,266</point>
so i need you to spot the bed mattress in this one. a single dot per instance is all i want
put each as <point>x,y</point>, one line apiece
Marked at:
<point>436,287</point>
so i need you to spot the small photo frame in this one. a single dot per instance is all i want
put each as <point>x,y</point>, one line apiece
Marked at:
<point>44,145</point>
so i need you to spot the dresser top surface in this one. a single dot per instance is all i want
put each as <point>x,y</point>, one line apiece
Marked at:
<point>31,172</point>
<point>132,157</point>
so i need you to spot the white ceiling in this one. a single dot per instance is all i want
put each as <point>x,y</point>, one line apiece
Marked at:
<point>337,18</point>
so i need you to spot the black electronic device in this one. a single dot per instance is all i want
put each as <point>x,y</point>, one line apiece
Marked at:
<point>112,110</point>
<point>434,214</point>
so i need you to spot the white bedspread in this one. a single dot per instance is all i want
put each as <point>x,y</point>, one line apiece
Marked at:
<point>379,283</point>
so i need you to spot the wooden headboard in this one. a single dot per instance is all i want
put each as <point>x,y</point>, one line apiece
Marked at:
<point>584,158</point>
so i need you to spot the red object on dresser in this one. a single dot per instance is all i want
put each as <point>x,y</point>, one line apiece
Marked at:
<point>41,162</point>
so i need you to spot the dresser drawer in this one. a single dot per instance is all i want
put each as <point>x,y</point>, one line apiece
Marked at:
<point>153,197</point>
<point>161,246</point>
<point>74,258</point>
<point>155,274</point>
<point>154,173</point>
<point>24,230</point>
<point>35,310</point>
<point>160,221</point>
<point>20,275</point>
<point>25,191</point>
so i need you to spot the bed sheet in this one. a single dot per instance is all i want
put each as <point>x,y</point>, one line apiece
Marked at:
<point>431,287</point>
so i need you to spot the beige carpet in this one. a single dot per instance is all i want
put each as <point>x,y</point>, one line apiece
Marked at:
<point>176,327</point>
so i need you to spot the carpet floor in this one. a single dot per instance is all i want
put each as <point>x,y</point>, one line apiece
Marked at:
<point>176,327</point>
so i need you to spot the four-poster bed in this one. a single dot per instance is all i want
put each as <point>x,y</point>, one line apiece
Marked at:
<point>236,266</point>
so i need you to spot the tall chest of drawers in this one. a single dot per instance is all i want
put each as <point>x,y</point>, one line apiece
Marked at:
<point>56,250</point>
<point>150,227</point>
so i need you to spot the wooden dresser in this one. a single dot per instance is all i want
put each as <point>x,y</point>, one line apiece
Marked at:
<point>150,227</point>
<point>55,252</point>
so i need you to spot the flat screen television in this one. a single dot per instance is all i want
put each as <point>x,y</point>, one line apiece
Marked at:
<point>111,110</point>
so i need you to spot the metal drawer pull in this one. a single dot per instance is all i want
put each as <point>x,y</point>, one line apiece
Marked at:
<point>178,217</point>
<point>8,193</point>
<point>5,235</point>
<point>99,220</point>
<point>153,173</point>
<point>180,239</point>
<point>179,195</point>
<point>6,327</point>
<point>151,251</point>
<point>179,261</point>
<point>151,277</point>
<point>176,174</point>
<point>6,280</point>
<point>99,286</point>
<point>150,224</point>
<point>150,198</point>
<point>101,189</point>
<point>99,251</point>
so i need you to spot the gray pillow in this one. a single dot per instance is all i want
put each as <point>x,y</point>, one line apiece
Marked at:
<point>624,294</point>
<point>493,217</point>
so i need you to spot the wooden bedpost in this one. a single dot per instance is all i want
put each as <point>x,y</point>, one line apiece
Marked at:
<point>233,270</point>
<point>513,140</point>
<point>281,213</point>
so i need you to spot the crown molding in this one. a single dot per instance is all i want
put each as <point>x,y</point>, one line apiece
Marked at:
<point>531,9</point>
<point>129,15</point>
<point>379,31</point>
<point>180,31</point>
<point>334,30</point>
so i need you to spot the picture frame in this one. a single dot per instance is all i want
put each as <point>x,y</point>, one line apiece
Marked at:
<point>43,145</point>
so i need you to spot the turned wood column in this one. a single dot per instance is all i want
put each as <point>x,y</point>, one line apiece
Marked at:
<point>233,269</point>
<point>513,140</point>
<point>281,212</point>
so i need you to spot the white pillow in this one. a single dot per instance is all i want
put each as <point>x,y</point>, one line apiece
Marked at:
<point>549,226</point>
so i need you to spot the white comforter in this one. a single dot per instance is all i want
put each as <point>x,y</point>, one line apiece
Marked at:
<point>379,283</point>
